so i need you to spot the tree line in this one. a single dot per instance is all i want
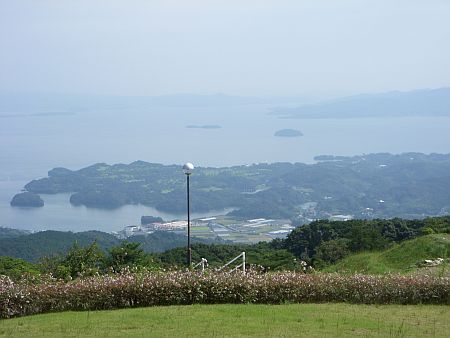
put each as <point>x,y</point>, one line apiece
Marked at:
<point>317,244</point>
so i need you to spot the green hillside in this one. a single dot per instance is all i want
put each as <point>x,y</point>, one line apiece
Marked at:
<point>400,258</point>
<point>11,233</point>
<point>31,247</point>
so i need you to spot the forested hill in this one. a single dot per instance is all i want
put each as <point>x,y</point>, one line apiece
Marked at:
<point>410,185</point>
<point>11,233</point>
<point>32,247</point>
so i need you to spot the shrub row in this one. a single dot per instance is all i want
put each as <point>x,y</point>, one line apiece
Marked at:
<point>175,288</point>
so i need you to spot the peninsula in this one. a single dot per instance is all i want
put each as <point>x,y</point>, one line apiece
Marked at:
<point>410,185</point>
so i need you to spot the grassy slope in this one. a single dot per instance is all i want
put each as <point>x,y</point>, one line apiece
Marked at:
<point>399,258</point>
<point>295,320</point>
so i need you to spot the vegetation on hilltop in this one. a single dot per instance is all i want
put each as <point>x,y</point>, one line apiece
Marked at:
<point>32,247</point>
<point>325,242</point>
<point>399,258</point>
<point>46,243</point>
<point>10,233</point>
<point>27,199</point>
<point>410,185</point>
<point>151,219</point>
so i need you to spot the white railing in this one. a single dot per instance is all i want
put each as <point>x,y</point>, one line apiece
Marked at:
<point>203,263</point>
<point>242,265</point>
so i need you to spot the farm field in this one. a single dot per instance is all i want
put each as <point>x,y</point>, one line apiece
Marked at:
<point>240,231</point>
<point>230,320</point>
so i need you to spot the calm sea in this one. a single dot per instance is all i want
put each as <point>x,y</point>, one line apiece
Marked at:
<point>30,145</point>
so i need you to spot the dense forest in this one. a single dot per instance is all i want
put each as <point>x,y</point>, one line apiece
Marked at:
<point>32,247</point>
<point>410,185</point>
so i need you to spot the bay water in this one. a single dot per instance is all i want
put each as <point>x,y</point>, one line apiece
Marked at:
<point>32,144</point>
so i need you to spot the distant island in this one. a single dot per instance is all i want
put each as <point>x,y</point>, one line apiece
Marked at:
<point>331,158</point>
<point>434,102</point>
<point>288,133</point>
<point>409,185</point>
<point>27,199</point>
<point>206,126</point>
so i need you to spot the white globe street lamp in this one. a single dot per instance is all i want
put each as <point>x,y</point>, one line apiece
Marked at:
<point>188,168</point>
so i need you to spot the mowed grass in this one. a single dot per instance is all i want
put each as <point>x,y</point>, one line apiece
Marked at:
<point>400,258</point>
<point>229,320</point>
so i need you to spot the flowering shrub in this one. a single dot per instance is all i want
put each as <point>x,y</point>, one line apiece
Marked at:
<point>131,289</point>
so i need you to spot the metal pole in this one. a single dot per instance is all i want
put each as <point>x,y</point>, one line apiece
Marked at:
<point>189,252</point>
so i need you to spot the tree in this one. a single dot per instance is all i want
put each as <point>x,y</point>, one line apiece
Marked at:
<point>126,255</point>
<point>366,237</point>
<point>49,265</point>
<point>330,252</point>
<point>82,260</point>
<point>15,268</point>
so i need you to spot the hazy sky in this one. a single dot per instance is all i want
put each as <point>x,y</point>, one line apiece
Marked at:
<point>151,47</point>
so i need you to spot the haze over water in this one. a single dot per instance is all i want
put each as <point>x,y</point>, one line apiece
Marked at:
<point>32,145</point>
<point>312,50</point>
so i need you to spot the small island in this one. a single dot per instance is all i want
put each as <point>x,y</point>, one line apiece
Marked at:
<point>288,133</point>
<point>151,219</point>
<point>27,199</point>
<point>206,126</point>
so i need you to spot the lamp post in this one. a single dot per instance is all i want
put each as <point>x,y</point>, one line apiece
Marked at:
<point>188,168</point>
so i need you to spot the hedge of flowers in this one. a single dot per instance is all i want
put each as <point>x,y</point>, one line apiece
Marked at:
<point>175,288</point>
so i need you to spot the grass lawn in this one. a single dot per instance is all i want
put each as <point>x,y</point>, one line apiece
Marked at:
<point>293,320</point>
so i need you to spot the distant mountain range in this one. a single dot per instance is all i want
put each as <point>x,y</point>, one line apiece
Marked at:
<point>434,102</point>
<point>425,102</point>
